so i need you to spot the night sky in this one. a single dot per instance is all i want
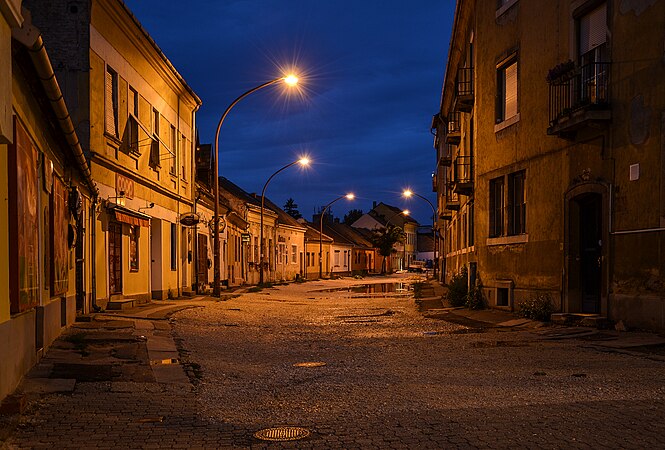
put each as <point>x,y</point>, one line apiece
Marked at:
<point>371,75</point>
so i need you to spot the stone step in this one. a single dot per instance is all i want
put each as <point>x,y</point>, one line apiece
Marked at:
<point>121,304</point>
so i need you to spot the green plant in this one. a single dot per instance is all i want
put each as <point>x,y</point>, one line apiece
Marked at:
<point>539,307</point>
<point>474,298</point>
<point>418,289</point>
<point>457,288</point>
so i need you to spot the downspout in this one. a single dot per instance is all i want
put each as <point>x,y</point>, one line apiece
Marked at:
<point>31,37</point>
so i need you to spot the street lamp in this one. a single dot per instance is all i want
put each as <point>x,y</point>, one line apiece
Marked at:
<point>304,162</point>
<point>408,194</point>
<point>289,80</point>
<point>348,196</point>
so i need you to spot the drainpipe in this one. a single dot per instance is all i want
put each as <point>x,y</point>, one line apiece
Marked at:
<point>93,259</point>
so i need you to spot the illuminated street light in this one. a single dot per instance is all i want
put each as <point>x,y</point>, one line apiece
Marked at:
<point>348,196</point>
<point>304,162</point>
<point>408,194</point>
<point>289,80</point>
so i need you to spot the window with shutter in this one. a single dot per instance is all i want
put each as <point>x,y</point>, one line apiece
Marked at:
<point>111,102</point>
<point>507,93</point>
<point>593,29</point>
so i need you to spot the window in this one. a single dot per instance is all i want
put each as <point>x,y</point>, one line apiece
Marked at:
<point>133,248</point>
<point>133,102</point>
<point>256,249</point>
<point>174,237</point>
<point>593,55</point>
<point>183,157</point>
<point>154,145</point>
<point>337,256</point>
<point>294,254</point>
<point>516,203</point>
<point>471,238</point>
<point>496,207</point>
<point>174,151</point>
<point>111,102</point>
<point>506,84</point>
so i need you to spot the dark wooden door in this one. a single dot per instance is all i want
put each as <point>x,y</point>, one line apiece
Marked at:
<point>115,258</point>
<point>590,228</point>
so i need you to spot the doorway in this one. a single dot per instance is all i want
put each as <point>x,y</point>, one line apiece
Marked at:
<point>202,263</point>
<point>115,258</point>
<point>589,230</point>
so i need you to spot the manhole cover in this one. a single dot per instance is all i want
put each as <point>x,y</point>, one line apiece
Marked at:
<point>310,364</point>
<point>282,434</point>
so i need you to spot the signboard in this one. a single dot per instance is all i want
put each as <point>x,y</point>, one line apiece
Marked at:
<point>245,237</point>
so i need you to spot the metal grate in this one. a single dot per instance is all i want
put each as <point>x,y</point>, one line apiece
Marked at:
<point>282,434</point>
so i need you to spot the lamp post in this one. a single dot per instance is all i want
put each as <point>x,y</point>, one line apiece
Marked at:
<point>303,162</point>
<point>290,80</point>
<point>408,193</point>
<point>325,208</point>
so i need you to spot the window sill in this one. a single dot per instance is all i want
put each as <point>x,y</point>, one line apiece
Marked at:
<point>506,123</point>
<point>508,240</point>
<point>504,8</point>
<point>112,138</point>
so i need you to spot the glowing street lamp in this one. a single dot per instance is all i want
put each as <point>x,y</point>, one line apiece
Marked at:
<point>408,194</point>
<point>348,196</point>
<point>304,162</point>
<point>289,80</point>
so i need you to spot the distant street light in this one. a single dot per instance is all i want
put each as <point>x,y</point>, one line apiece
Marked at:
<point>289,80</point>
<point>408,194</point>
<point>303,162</point>
<point>325,208</point>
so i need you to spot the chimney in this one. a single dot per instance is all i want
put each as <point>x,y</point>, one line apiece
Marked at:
<point>374,204</point>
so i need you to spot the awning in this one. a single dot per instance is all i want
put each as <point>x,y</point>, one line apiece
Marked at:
<point>129,216</point>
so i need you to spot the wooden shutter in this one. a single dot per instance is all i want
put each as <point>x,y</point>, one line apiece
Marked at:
<point>109,105</point>
<point>511,91</point>
<point>593,29</point>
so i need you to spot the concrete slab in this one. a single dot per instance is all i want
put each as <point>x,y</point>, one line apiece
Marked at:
<point>638,340</point>
<point>170,373</point>
<point>160,344</point>
<point>48,385</point>
<point>514,323</point>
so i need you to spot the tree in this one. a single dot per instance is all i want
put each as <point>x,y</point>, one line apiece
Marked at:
<point>384,239</point>
<point>291,208</point>
<point>352,216</point>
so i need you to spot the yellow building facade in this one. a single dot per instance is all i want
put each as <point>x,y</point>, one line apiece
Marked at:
<point>141,117</point>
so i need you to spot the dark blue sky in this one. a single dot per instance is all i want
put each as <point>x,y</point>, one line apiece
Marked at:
<point>371,76</point>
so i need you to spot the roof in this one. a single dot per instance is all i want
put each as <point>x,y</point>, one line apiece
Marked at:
<point>348,233</point>
<point>312,234</point>
<point>394,215</point>
<point>238,192</point>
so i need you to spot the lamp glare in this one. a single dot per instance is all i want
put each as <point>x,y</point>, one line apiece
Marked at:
<point>291,80</point>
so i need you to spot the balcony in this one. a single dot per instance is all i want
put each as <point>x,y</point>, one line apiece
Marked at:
<point>453,132</point>
<point>463,175</point>
<point>452,199</point>
<point>579,98</point>
<point>464,90</point>
<point>446,215</point>
<point>446,157</point>
<point>435,183</point>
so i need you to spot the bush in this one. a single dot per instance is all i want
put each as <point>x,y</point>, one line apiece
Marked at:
<point>458,287</point>
<point>539,307</point>
<point>474,299</point>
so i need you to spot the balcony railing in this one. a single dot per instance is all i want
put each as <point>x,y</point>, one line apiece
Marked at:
<point>452,198</point>
<point>464,89</point>
<point>463,175</point>
<point>583,89</point>
<point>445,158</point>
<point>453,135</point>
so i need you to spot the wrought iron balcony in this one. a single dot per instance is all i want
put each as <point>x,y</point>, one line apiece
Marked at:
<point>464,89</point>
<point>446,155</point>
<point>463,175</point>
<point>452,198</point>
<point>579,97</point>
<point>453,131</point>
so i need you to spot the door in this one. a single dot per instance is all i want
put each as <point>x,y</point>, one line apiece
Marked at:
<point>202,263</point>
<point>590,252</point>
<point>115,258</point>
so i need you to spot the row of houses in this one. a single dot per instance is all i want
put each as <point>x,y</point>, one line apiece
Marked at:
<point>107,193</point>
<point>550,144</point>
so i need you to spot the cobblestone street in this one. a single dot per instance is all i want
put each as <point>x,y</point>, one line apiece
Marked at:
<point>391,377</point>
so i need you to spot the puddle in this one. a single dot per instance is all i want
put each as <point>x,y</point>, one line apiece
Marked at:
<point>375,288</point>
